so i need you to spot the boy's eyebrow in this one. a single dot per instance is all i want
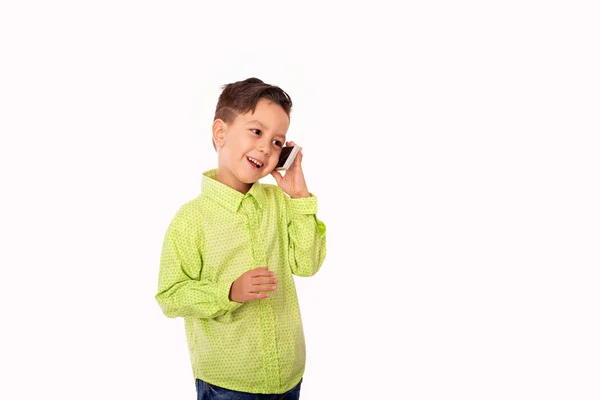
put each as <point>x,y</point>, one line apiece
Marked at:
<point>255,121</point>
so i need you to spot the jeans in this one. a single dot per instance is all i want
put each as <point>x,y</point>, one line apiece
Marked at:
<point>207,391</point>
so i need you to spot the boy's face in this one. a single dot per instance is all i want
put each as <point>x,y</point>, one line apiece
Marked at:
<point>249,147</point>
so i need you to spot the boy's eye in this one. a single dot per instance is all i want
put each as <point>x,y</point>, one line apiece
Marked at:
<point>278,143</point>
<point>257,131</point>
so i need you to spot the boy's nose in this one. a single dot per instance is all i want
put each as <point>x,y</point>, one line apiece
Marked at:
<point>263,149</point>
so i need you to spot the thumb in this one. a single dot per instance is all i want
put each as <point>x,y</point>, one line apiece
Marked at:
<point>277,176</point>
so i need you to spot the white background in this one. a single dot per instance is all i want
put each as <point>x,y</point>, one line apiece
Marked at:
<point>453,147</point>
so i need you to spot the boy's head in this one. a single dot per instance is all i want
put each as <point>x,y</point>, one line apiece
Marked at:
<point>249,130</point>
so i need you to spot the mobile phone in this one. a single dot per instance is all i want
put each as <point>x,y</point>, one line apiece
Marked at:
<point>287,156</point>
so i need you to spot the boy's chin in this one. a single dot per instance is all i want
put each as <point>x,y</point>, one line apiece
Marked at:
<point>251,178</point>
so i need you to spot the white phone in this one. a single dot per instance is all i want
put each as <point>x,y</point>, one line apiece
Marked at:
<point>287,156</point>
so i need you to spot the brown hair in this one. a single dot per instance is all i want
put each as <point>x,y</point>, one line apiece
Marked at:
<point>242,96</point>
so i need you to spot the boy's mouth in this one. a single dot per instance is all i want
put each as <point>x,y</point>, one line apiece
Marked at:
<point>254,163</point>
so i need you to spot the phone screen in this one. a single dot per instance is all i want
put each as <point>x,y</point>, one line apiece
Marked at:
<point>283,156</point>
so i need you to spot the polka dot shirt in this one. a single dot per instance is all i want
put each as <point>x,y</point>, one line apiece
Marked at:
<point>257,346</point>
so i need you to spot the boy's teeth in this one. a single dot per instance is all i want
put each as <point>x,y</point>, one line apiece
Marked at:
<point>255,161</point>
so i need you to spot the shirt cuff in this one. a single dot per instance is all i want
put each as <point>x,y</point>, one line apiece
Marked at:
<point>223,296</point>
<point>302,205</point>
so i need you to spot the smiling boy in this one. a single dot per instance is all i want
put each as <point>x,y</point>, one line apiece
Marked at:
<point>229,255</point>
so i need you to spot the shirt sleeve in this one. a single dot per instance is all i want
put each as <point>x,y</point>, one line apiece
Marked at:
<point>181,293</point>
<point>306,236</point>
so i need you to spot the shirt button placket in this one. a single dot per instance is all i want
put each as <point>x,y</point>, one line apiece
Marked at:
<point>267,316</point>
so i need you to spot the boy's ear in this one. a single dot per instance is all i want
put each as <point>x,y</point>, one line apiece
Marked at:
<point>219,128</point>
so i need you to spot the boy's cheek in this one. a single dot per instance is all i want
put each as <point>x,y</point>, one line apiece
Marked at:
<point>270,168</point>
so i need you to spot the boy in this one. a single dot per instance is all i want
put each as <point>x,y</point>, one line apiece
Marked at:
<point>229,255</point>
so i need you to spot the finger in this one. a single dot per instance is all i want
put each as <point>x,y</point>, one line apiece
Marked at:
<point>261,271</point>
<point>277,176</point>
<point>297,160</point>
<point>262,288</point>
<point>299,156</point>
<point>257,296</point>
<point>264,281</point>
<point>258,283</point>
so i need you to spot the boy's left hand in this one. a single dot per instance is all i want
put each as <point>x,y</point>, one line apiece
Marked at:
<point>293,182</point>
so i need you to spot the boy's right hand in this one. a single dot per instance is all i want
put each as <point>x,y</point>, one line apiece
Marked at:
<point>250,283</point>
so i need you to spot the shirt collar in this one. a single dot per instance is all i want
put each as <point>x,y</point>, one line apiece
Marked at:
<point>227,196</point>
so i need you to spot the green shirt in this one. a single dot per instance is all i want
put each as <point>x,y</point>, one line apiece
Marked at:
<point>257,346</point>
